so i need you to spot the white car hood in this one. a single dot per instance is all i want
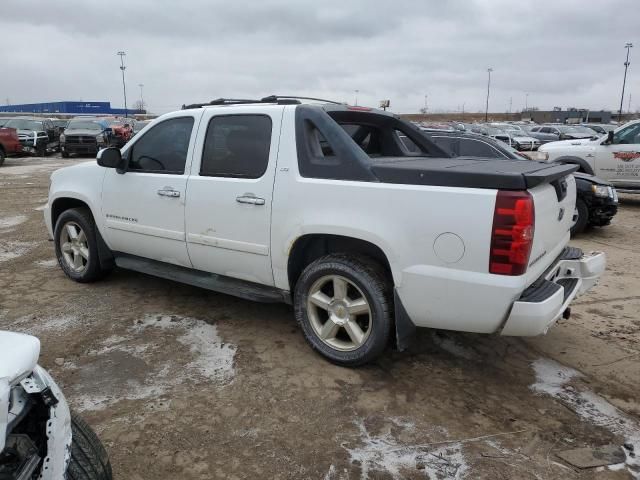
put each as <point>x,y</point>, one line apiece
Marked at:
<point>568,143</point>
<point>18,355</point>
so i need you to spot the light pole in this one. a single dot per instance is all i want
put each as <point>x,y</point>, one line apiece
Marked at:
<point>628,46</point>
<point>124,85</point>
<point>357,91</point>
<point>526,102</point>
<point>486,110</point>
<point>426,104</point>
<point>141,85</point>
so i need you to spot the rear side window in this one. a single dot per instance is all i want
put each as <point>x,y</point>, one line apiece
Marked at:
<point>448,144</point>
<point>475,148</point>
<point>237,146</point>
<point>163,149</point>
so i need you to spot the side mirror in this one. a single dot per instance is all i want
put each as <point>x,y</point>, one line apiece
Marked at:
<point>609,137</point>
<point>110,158</point>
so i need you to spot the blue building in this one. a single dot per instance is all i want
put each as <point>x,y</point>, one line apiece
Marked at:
<point>68,108</point>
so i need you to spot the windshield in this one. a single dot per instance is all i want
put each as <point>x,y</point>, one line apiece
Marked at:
<point>575,129</point>
<point>24,124</point>
<point>85,125</point>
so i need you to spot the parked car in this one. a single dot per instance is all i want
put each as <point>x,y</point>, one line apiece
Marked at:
<point>139,125</point>
<point>512,137</point>
<point>9,143</point>
<point>38,136</point>
<point>596,203</point>
<point>596,199</point>
<point>39,436</point>
<point>363,236</point>
<point>85,136</point>
<point>564,132</point>
<point>121,131</point>
<point>60,124</point>
<point>614,157</point>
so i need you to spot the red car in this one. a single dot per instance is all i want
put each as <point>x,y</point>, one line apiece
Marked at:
<point>9,143</point>
<point>121,131</point>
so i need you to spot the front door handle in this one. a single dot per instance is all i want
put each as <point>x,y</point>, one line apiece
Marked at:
<point>251,200</point>
<point>168,192</point>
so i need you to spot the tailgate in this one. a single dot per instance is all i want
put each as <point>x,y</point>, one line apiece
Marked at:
<point>554,205</point>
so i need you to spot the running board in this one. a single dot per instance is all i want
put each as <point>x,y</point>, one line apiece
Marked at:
<point>198,278</point>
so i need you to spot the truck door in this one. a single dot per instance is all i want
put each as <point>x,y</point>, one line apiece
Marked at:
<point>228,213</point>
<point>619,162</point>
<point>144,208</point>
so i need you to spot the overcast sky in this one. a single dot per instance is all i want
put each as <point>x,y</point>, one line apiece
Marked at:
<point>562,52</point>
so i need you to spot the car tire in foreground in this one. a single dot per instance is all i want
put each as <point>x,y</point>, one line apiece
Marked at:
<point>76,246</point>
<point>344,306</point>
<point>89,459</point>
<point>580,217</point>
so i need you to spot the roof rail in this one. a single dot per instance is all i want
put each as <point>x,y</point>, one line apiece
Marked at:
<point>279,99</point>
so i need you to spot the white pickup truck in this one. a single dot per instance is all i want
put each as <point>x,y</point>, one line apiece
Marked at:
<point>324,206</point>
<point>614,157</point>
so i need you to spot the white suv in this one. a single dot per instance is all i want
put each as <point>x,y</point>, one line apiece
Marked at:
<point>614,157</point>
<point>326,206</point>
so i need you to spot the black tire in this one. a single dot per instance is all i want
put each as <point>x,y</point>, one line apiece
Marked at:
<point>92,270</point>
<point>372,281</point>
<point>2,157</point>
<point>583,217</point>
<point>41,150</point>
<point>89,459</point>
<point>65,154</point>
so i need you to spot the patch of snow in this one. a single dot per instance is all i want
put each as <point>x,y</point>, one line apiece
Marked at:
<point>8,222</point>
<point>552,379</point>
<point>40,208</point>
<point>386,453</point>
<point>27,168</point>
<point>37,326</point>
<point>14,249</point>
<point>210,359</point>
<point>47,263</point>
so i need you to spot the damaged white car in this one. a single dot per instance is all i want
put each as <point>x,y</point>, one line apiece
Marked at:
<point>39,436</point>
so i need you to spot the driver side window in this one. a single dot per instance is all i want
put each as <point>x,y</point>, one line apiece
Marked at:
<point>629,135</point>
<point>163,149</point>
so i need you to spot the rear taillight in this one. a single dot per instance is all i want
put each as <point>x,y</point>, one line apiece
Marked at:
<point>512,233</point>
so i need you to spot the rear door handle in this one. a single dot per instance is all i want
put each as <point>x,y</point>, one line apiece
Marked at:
<point>251,200</point>
<point>168,192</point>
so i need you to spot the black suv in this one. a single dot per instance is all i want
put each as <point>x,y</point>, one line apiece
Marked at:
<point>596,202</point>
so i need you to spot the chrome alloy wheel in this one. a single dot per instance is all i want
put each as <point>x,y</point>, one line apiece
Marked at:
<point>339,313</point>
<point>74,247</point>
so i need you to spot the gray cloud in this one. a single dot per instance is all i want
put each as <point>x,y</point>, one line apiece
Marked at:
<point>563,53</point>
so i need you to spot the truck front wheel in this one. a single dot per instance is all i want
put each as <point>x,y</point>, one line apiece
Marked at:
<point>344,305</point>
<point>580,217</point>
<point>76,245</point>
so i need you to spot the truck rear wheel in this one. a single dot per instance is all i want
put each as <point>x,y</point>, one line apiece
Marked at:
<point>89,460</point>
<point>2,157</point>
<point>344,305</point>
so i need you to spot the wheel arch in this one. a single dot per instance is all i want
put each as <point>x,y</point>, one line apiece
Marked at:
<point>311,246</point>
<point>61,204</point>
<point>585,167</point>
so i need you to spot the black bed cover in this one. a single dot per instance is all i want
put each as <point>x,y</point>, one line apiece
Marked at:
<point>469,172</point>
